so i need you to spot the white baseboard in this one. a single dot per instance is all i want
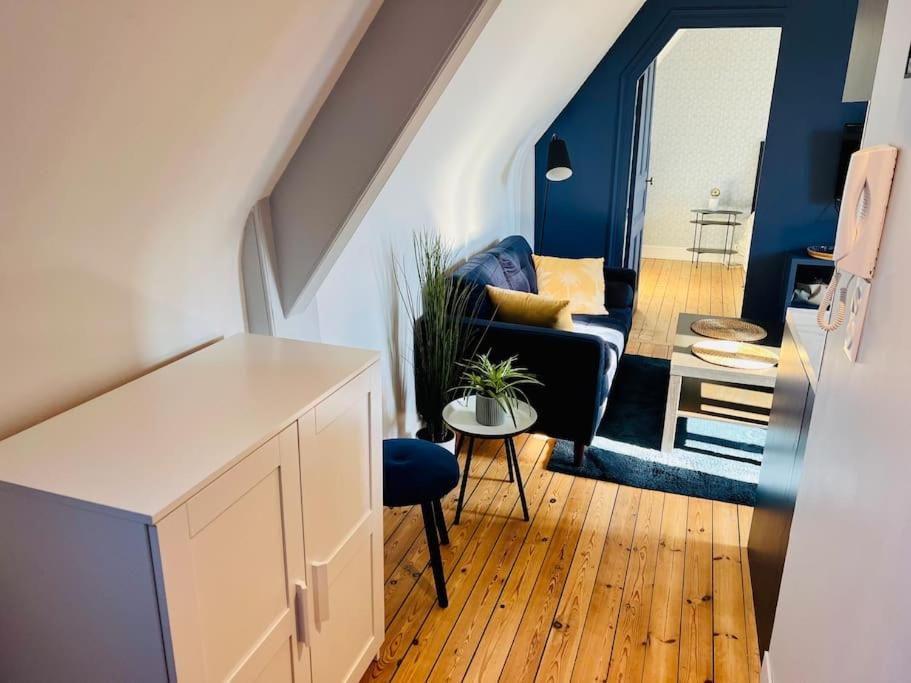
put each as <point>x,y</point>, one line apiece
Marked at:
<point>684,254</point>
<point>765,675</point>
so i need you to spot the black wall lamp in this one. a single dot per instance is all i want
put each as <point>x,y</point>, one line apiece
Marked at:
<point>559,168</point>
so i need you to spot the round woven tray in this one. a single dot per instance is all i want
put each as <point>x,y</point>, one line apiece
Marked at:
<point>729,329</point>
<point>732,354</point>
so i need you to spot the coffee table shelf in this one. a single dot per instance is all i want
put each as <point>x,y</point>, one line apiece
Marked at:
<point>693,403</point>
<point>745,394</point>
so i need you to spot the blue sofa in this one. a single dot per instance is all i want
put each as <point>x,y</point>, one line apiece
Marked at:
<point>576,367</point>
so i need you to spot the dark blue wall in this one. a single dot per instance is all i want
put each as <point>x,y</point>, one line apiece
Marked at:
<point>586,213</point>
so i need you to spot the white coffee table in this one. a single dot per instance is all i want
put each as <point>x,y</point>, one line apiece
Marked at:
<point>459,415</point>
<point>741,396</point>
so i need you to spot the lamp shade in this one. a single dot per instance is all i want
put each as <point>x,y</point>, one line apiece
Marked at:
<point>558,164</point>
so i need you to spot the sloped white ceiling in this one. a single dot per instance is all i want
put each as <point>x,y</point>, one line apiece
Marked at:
<point>134,137</point>
<point>527,62</point>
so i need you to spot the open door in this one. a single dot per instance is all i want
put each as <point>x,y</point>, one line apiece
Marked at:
<point>639,178</point>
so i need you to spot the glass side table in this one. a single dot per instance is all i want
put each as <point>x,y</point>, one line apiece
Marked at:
<point>723,218</point>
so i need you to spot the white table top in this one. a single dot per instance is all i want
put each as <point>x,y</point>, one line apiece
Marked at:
<point>685,364</point>
<point>459,415</point>
<point>140,450</point>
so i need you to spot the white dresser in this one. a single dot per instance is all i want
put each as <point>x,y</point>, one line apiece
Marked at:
<point>217,519</point>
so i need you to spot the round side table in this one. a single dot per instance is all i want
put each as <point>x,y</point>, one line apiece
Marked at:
<point>459,415</point>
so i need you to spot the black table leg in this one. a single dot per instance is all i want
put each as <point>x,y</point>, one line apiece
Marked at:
<point>511,448</point>
<point>695,227</point>
<point>458,514</point>
<point>436,560</point>
<point>508,459</point>
<point>441,522</point>
<point>460,439</point>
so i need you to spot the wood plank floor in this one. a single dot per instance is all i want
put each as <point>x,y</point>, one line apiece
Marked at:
<point>604,583</point>
<point>667,288</point>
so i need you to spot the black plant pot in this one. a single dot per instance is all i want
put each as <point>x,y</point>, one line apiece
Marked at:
<point>448,442</point>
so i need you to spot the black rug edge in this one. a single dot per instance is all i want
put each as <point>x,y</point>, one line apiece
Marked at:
<point>747,498</point>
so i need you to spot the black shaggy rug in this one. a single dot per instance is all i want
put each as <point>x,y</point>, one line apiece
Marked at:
<point>711,459</point>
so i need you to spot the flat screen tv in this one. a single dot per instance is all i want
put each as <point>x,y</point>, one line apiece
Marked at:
<point>850,143</point>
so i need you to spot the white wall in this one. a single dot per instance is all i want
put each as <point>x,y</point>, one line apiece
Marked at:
<point>713,90</point>
<point>844,612</point>
<point>134,137</point>
<point>467,174</point>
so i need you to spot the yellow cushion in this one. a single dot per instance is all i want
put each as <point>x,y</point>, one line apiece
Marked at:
<point>581,280</point>
<point>530,309</point>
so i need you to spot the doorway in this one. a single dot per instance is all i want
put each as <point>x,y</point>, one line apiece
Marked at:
<point>702,110</point>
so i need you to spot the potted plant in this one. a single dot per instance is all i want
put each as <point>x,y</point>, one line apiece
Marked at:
<point>497,388</point>
<point>441,341</point>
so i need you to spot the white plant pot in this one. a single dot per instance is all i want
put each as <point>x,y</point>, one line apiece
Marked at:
<point>488,412</point>
<point>714,202</point>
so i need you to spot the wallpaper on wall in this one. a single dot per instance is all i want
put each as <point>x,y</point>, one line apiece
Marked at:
<point>712,95</point>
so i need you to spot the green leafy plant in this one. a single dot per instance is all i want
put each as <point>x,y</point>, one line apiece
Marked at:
<point>441,341</point>
<point>501,381</point>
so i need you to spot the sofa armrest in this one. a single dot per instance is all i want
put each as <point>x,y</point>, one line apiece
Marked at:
<point>618,295</point>
<point>619,287</point>
<point>623,275</point>
<point>571,366</point>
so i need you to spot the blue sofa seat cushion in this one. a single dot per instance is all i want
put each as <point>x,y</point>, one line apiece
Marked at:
<point>617,318</point>
<point>612,332</point>
<point>416,471</point>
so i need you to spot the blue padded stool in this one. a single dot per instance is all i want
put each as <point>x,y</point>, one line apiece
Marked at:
<point>417,472</point>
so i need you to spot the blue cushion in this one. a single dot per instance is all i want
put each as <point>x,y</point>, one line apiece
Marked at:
<point>517,279</point>
<point>517,251</point>
<point>508,265</point>
<point>416,471</point>
<point>477,272</point>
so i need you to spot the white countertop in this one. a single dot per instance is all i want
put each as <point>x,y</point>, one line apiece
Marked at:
<point>145,447</point>
<point>811,340</point>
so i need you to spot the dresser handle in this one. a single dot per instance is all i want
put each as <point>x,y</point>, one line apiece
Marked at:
<point>300,613</point>
<point>321,590</point>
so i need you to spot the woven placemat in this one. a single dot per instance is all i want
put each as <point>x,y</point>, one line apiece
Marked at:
<point>729,329</point>
<point>732,354</point>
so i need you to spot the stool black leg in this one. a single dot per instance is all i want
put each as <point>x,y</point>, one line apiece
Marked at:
<point>508,458</point>
<point>436,561</point>
<point>441,522</point>
<point>460,439</point>
<point>458,514</point>
<point>511,448</point>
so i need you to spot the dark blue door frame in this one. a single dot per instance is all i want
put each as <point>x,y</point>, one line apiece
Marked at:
<point>675,20</point>
<point>640,180</point>
<point>587,214</point>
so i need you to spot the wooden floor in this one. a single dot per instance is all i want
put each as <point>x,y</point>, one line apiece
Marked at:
<point>667,288</point>
<point>605,583</point>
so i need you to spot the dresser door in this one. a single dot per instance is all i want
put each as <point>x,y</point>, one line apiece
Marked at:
<point>341,460</point>
<point>234,574</point>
